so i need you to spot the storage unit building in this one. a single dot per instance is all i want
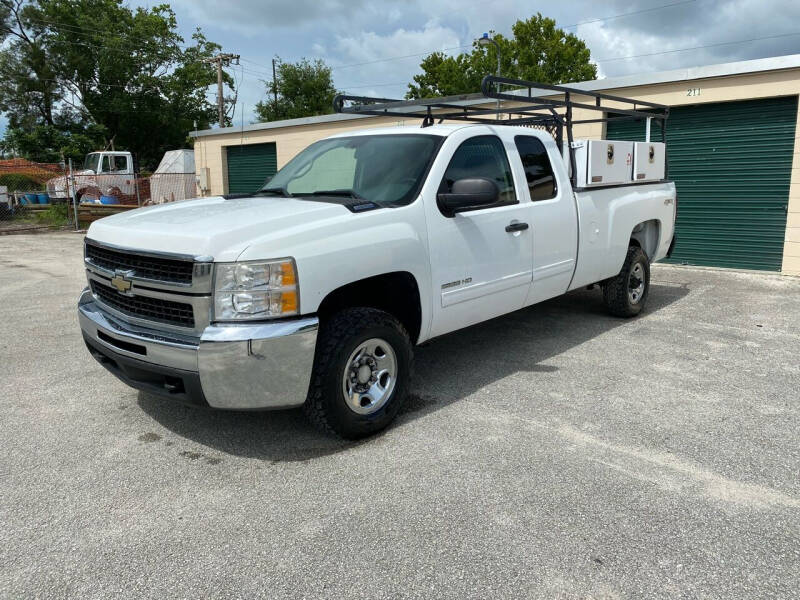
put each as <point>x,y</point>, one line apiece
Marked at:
<point>732,166</point>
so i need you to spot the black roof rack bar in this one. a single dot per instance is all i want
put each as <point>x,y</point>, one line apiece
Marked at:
<point>528,106</point>
<point>424,115</point>
<point>569,103</point>
<point>609,119</point>
<point>525,105</point>
<point>493,80</point>
<point>516,110</point>
<point>460,112</point>
<point>380,107</point>
<point>365,103</point>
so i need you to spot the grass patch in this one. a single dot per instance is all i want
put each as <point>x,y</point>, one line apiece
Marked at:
<point>55,216</point>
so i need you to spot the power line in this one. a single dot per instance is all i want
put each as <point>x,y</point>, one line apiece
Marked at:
<point>96,32</point>
<point>349,87</point>
<point>376,85</point>
<point>608,18</point>
<point>627,14</point>
<point>114,85</point>
<point>640,55</point>
<point>78,29</point>
<point>768,37</point>
<point>380,60</point>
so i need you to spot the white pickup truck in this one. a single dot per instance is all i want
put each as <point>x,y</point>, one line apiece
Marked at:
<point>106,172</point>
<point>314,290</point>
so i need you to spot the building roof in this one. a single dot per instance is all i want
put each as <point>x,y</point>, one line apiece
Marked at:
<point>775,63</point>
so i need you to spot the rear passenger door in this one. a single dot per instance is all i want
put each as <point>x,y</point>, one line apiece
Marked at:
<point>480,262</point>
<point>553,216</point>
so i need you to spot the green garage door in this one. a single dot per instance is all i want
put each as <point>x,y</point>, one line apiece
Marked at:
<point>249,166</point>
<point>731,163</point>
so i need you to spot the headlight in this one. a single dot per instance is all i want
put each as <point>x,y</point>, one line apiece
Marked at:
<point>255,290</point>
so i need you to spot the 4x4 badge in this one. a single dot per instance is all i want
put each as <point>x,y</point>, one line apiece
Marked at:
<point>121,281</point>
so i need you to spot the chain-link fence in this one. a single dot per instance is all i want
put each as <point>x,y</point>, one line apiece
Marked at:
<point>39,196</point>
<point>24,200</point>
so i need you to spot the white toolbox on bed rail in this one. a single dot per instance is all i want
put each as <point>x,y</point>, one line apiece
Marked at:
<point>603,162</point>
<point>648,161</point>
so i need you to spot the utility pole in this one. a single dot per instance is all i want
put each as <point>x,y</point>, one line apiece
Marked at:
<point>222,60</point>
<point>274,88</point>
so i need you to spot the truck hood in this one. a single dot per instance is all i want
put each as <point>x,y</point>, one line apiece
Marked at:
<point>218,227</point>
<point>60,182</point>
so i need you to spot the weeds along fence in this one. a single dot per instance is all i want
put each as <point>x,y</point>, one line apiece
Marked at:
<point>37,196</point>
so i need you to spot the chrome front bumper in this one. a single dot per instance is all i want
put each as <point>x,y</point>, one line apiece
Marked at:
<point>235,367</point>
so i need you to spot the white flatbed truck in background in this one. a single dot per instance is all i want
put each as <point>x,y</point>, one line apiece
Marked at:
<point>314,290</point>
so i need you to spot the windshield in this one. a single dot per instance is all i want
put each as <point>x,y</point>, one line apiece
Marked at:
<point>90,162</point>
<point>385,169</point>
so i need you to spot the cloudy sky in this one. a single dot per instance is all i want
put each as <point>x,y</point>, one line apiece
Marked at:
<point>375,46</point>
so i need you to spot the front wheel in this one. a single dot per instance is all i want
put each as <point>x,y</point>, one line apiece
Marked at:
<point>361,372</point>
<point>625,295</point>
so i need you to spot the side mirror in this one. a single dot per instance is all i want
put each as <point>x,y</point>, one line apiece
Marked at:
<point>468,194</point>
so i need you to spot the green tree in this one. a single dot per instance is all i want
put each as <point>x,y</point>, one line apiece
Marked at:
<point>83,74</point>
<point>538,51</point>
<point>304,89</point>
<point>53,143</point>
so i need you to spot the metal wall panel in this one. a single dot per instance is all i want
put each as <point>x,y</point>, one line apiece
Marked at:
<point>731,163</point>
<point>249,166</point>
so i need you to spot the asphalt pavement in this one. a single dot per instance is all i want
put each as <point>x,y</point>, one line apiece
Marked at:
<point>556,452</point>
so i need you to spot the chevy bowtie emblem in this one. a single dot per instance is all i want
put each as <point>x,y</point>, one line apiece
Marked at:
<point>121,281</point>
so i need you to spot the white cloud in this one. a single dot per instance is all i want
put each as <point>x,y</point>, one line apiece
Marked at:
<point>368,46</point>
<point>343,32</point>
<point>257,17</point>
<point>610,47</point>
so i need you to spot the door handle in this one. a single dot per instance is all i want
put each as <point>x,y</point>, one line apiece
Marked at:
<point>516,226</point>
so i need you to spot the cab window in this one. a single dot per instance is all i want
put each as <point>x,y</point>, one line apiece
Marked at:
<point>119,163</point>
<point>538,170</point>
<point>481,156</point>
<point>113,163</point>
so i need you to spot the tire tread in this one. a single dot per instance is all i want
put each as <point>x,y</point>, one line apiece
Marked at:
<point>615,290</point>
<point>332,336</point>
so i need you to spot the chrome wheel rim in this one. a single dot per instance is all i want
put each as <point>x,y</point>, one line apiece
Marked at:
<point>636,283</point>
<point>369,376</point>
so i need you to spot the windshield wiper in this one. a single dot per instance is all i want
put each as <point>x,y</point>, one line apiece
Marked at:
<point>278,191</point>
<point>341,192</point>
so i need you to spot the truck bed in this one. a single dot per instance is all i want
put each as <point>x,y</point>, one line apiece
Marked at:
<point>606,217</point>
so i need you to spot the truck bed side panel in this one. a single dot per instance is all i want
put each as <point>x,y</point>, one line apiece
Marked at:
<point>607,219</point>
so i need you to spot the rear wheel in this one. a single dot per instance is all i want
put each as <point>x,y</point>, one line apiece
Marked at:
<point>361,372</point>
<point>626,294</point>
<point>91,195</point>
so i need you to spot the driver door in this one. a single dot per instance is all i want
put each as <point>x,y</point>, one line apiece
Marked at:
<point>481,260</point>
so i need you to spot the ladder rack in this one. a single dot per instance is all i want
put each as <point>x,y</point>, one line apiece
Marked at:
<point>527,103</point>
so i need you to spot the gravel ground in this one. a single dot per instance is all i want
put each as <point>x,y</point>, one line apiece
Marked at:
<point>555,453</point>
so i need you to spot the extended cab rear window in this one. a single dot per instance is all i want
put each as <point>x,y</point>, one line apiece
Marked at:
<point>538,170</point>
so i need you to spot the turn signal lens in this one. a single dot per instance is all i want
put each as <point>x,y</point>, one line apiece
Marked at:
<point>289,303</point>
<point>282,275</point>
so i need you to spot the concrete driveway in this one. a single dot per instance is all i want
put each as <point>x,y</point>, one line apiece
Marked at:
<point>555,452</point>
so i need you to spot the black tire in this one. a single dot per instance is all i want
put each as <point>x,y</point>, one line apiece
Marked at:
<point>338,339</point>
<point>619,293</point>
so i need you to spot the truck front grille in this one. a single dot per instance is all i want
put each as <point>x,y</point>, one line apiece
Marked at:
<point>145,307</point>
<point>167,270</point>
